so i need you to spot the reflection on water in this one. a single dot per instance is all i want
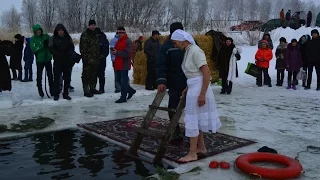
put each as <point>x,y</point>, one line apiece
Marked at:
<point>67,155</point>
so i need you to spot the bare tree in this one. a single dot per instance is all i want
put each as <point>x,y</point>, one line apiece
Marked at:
<point>47,10</point>
<point>29,9</point>
<point>265,10</point>
<point>11,19</point>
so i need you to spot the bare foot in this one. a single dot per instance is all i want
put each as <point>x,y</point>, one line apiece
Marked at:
<point>202,151</point>
<point>188,158</point>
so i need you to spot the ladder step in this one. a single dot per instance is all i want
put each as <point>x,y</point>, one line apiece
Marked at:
<point>162,108</point>
<point>150,133</point>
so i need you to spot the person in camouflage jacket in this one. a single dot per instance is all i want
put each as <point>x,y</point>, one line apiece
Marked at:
<point>90,52</point>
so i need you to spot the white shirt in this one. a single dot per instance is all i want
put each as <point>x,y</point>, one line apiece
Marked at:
<point>194,59</point>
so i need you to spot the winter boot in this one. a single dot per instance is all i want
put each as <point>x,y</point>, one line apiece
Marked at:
<point>307,87</point>
<point>102,82</point>
<point>14,75</point>
<point>40,92</point>
<point>289,85</point>
<point>86,91</point>
<point>66,96</point>
<point>93,90</point>
<point>229,88</point>
<point>56,98</point>
<point>223,91</point>
<point>318,88</point>
<point>25,77</point>
<point>278,83</point>
<point>20,75</point>
<point>304,83</point>
<point>121,100</point>
<point>294,87</point>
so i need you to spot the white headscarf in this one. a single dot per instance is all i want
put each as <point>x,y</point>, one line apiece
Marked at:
<point>180,35</point>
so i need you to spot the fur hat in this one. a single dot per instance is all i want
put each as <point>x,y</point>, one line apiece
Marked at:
<point>174,26</point>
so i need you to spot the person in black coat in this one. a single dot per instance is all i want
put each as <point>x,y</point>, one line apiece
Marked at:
<point>104,51</point>
<point>313,54</point>
<point>309,19</point>
<point>6,48</point>
<point>280,61</point>
<point>151,49</point>
<point>303,41</point>
<point>16,57</point>
<point>62,48</point>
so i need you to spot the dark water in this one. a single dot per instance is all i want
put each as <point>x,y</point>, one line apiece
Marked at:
<point>68,155</point>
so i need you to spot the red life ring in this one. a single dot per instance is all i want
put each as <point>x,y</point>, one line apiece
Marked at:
<point>293,169</point>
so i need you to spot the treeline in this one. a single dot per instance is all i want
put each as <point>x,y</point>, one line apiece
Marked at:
<point>144,15</point>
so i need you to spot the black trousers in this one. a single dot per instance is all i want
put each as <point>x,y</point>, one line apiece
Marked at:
<point>310,71</point>
<point>266,77</point>
<point>174,99</point>
<point>151,75</point>
<point>292,77</point>
<point>40,67</point>
<point>280,76</point>
<point>101,73</point>
<point>59,68</point>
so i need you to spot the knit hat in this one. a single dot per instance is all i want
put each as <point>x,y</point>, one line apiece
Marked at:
<point>17,36</point>
<point>315,31</point>
<point>230,39</point>
<point>121,29</point>
<point>28,40</point>
<point>174,26</point>
<point>282,39</point>
<point>91,22</point>
<point>294,40</point>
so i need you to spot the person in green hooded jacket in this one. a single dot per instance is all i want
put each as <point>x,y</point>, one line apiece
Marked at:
<point>39,44</point>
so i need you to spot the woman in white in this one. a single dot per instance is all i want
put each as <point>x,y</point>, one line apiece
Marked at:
<point>201,113</point>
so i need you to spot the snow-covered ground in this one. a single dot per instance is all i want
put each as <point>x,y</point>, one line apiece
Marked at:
<point>285,120</point>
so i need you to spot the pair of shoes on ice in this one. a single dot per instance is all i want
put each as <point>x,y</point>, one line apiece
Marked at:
<point>65,96</point>
<point>292,87</point>
<point>216,164</point>
<point>122,100</point>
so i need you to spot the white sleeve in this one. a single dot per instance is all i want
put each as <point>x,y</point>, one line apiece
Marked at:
<point>199,58</point>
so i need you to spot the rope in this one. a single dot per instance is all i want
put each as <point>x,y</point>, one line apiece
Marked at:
<point>310,149</point>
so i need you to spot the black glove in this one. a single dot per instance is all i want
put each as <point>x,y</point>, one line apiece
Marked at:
<point>46,43</point>
<point>238,56</point>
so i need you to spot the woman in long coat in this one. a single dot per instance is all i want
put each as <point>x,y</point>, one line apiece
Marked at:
<point>5,78</point>
<point>227,58</point>
<point>16,58</point>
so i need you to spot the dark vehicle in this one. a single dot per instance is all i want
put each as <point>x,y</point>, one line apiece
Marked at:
<point>275,23</point>
<point>246,26</point>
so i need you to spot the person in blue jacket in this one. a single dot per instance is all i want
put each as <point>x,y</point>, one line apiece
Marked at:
<point>28,58</point>
<point>112,45</point>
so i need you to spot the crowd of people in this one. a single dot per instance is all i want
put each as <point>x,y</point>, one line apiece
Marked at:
<point>294,57</point>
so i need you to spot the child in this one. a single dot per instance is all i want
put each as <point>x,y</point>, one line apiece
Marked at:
<point>263,57</point>
<point>28,58</point>
<point>280,64</point>
<point>293,61</point>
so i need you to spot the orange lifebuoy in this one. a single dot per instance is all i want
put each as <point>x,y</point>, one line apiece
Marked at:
<point>293,169</point>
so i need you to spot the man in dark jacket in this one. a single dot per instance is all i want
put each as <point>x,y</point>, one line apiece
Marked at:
<point>90,52</point>
<point>6,48</point>
<point>151,49</point>
<point>309,18</point>
<point>122,64</point>
<point>104,52</point>
<point>28,58</point>
<point>313,54</point>
<point>288,17</point>
<point>61,47</point>
<point>169,73</point>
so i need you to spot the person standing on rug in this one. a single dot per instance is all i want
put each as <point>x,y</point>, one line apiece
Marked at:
<point>263,57</point>
<point>227,65</point>
<point>201,113</point>
<point>169,74</point>
<point>113,43</point>
<point>90,52</point>
<point>122,64</point>
<point>151,49</point>
<point>280,62</point>
<point>293,63</point>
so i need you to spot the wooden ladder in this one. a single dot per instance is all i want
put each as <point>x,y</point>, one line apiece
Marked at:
<point>144,131</point>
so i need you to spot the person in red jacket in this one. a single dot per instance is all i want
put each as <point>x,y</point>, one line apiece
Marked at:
<point>122,64</point>
<point>263,57</point>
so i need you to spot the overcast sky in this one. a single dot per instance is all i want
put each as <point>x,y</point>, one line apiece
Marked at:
<point>6,4</point>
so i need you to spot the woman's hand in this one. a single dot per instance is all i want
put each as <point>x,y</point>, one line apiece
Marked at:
<point>184,92</point>
<point>201,100</point>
